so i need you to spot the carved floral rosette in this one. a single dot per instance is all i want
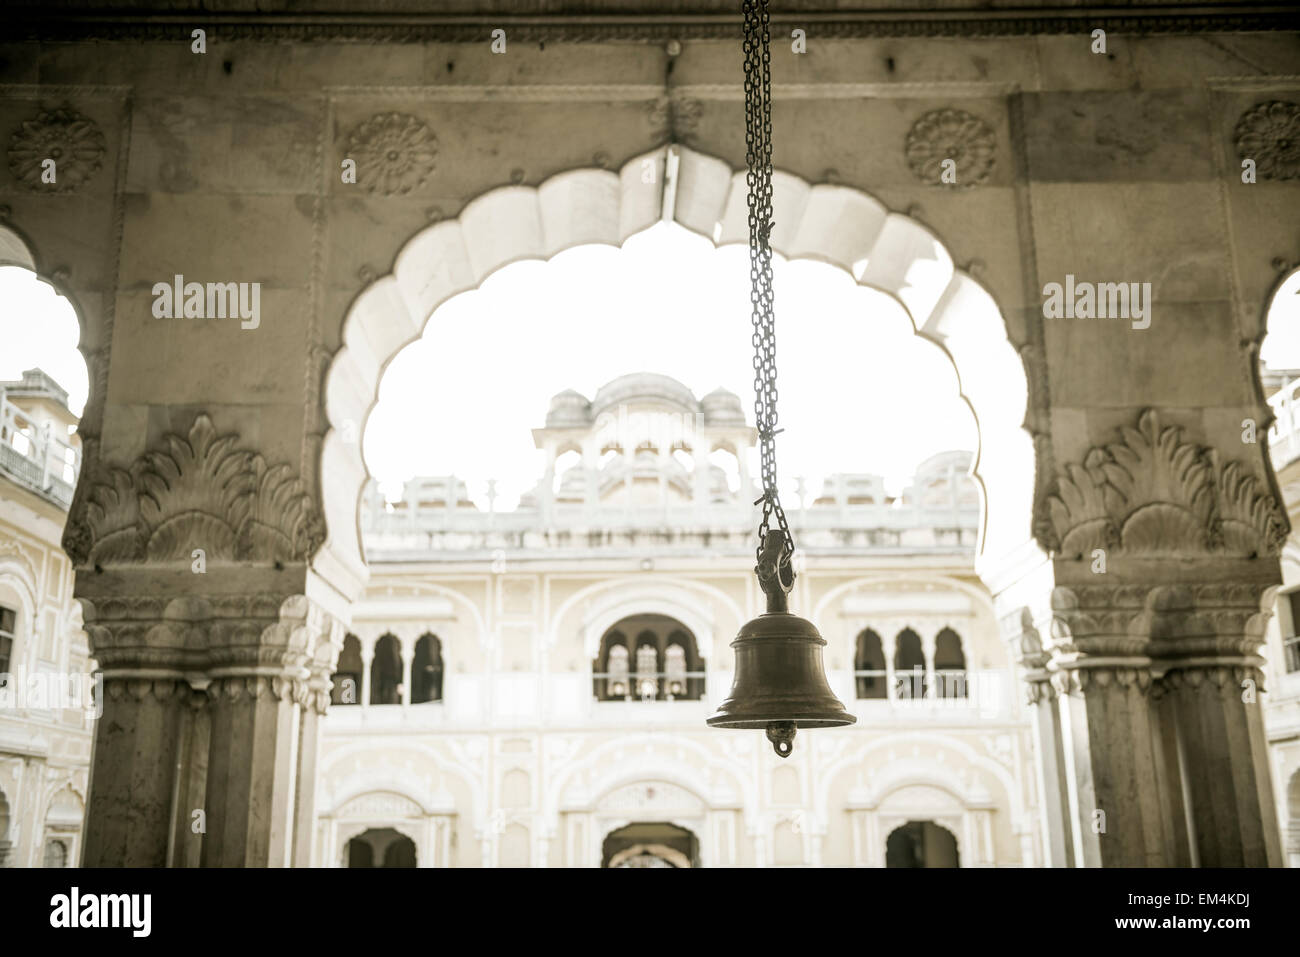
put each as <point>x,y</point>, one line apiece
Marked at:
<point>1155,495</point>
<point>395,153</point>
<point>200,492</point>
<point>955,135</point>
<point>72,141</point>
<point>1269,134</point>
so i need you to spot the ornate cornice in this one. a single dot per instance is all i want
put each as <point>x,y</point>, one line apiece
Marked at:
<point>197,492</point>
<point>245,633</point>
<point>1156,495</point>
<point>423,27</point>
<point>1159,626</point>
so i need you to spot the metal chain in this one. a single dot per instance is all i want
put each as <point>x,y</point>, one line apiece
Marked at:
<point>758,157</point>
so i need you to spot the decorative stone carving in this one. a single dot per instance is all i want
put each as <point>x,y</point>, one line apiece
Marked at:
<point>200,492</point>
<point>675,117</point>
<point>1155,494</point>
<point>380,804</point>
<point>394,152</point>
<point>1269,134</point>
<point>73,141</point>
<point>955,135</point>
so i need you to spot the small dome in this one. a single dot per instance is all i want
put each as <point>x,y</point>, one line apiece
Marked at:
<point>721,407</point>
<point>569,409</point>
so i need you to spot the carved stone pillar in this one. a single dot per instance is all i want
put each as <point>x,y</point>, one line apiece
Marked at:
<point>1040,698</point>
<point>309,741</point>
<point>1119,805</point>
<point>193,570</point>
<point>1164,559</point>
<point>1207,641</point>
<point>261,696</point>
<point>142,648</point>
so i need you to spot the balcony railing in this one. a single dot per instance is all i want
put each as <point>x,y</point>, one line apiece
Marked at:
<point>35,456</point>
<point>649,686</point>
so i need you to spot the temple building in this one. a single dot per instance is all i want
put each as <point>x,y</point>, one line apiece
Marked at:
<point>1074,645</point>
<point>530,687</point>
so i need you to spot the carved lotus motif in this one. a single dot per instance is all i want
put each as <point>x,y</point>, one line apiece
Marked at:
<point>394,152</point>
<point>72,141</point>
<point>1156,494</point>
<point>200,492</point>
<point>955,135</point>
<point>1269,134</point>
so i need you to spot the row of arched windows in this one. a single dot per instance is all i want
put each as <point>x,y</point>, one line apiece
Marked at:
<point>386,677</point>
<point>912,677</point>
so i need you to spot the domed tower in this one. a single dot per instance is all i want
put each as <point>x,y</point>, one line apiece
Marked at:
<point>644,440</point>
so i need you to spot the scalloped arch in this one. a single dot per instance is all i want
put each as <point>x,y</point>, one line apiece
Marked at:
<point>837,225</point>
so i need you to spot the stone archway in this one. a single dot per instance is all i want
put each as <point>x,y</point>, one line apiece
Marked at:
<point>837,225</point>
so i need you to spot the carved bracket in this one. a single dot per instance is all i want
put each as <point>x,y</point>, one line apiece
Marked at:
<point>1154,494</point>
<point>200,491</point>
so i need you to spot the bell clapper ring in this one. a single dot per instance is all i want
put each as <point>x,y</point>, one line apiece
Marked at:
<point>781,734</point>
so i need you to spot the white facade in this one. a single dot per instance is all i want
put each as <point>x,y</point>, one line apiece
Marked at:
<point>520,763</point>
<point>44,751</point>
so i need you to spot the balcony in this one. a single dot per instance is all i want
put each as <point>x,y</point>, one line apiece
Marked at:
<point>568,700</point>
<point>35,457</point>
<point>942,695</point>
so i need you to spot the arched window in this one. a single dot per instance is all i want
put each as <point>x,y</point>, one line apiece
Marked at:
<point>869,666</point>
<point>386,672</point>
<point>647,666</point>
<point>8,633</point>
<point>347,679</point>
<point>675,671</point>
<point>56,854</point>
<point>921,844</point>
<point>949,665</point>
<point>618,682</point>
<point>426,670</point>
<point>612,669</point>
<point>909,665</point>
<point>663,663</point>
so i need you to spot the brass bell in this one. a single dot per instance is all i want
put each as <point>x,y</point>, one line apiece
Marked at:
<point>780,684</point>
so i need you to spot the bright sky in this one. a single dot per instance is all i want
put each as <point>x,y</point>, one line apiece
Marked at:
<point>38,329</point>
<point>858,391</point>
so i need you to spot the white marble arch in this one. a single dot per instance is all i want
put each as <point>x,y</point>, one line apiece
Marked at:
<point>14,249</point>
<point>923,772</point>
<point>641,597</point>
<point>656,761</point>
<point>838,225</point>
